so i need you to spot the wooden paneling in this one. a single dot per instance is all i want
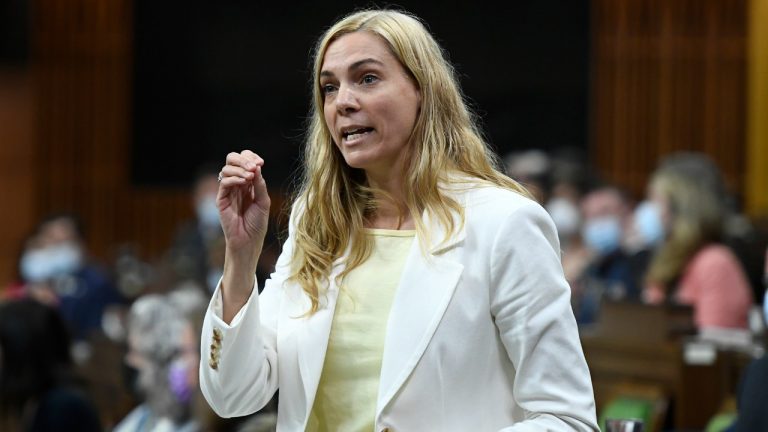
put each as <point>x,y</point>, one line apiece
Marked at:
<point>82,52</point>
<point>668,75</point>
<point>757,119</point>
<point>17,174</point>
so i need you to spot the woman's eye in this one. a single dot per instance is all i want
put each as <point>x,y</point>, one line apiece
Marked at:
<point>370,79</point>
<point>328,88</point>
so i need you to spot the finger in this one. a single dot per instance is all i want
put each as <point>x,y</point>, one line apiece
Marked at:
<point>246,162</point>
<point>253,159</point>
<point>236,171</point>
<point>229,183</point>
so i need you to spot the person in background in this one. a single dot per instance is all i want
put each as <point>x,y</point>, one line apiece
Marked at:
<point>197,252</point>
<point>56,270</point>
<point>38,389</point>
<point>691,265</point>
<point>163,349</point>
<point>600,267</point>
<point>531,168</point>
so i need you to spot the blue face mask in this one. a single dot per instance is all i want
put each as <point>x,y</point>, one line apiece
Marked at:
<point>603,235</point>
<point>47,263</point>
<point>648,223</point>
<point>765,306</point>
<point>208,212</point>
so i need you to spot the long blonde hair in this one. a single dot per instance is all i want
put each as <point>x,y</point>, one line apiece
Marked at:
<point>695,194</point>
<point>334,199</point>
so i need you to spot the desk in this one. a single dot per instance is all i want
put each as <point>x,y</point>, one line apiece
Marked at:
<point>650,354</point>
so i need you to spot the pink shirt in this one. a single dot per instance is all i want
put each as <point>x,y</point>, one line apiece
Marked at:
<point>715,285</point>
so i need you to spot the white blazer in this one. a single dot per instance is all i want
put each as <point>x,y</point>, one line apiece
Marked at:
<point>480,337</point>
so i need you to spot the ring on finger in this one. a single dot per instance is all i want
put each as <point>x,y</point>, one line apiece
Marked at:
<point>219,177</point>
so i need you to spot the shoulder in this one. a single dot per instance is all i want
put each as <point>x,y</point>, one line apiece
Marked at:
<point>66,409</point>
<point>714,256</point>
<point>494,204</point>
<point>494,213</point>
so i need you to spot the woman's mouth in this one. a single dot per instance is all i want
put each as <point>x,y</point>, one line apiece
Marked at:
<point>353,135</point>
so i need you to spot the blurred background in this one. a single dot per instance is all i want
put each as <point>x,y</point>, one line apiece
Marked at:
<point>116,116</point>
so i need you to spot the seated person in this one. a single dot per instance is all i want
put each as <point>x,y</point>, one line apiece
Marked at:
<point>600,267</point>
<point>56,270</point>
<point>691,266</point>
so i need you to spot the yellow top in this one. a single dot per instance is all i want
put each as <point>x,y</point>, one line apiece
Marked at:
<point>349,384</point>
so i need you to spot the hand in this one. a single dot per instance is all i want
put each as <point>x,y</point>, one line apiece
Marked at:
<point>243,204</point>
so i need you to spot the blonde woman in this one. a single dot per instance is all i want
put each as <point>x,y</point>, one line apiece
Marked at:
<point>691,266</point>
<point>419,288</point>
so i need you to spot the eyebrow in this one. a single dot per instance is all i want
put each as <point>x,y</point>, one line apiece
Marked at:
<point>356,65</point>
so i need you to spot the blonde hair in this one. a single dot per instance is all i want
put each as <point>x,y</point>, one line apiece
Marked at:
<point>695,195</point>
<point>333,199</point>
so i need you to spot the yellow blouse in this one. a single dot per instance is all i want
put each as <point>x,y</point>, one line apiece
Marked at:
<point>349,384</point>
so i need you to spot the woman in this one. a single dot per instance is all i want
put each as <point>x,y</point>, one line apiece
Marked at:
<point>419,289</point>
<point>161,349</point>
<point>691,266</point>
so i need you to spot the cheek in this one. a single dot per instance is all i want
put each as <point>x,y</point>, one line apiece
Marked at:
<point>328,116</point>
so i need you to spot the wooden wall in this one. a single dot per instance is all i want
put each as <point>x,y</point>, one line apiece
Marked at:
<point>81,70</point>
<point>668,75</point>
<point>17,179</point>
<point>757,118</point>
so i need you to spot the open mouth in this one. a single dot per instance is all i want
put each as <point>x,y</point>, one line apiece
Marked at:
<point>354,134</point>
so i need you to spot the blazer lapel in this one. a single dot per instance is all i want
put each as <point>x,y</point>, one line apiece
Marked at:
<point>426,287</point>
<point>313,336</point>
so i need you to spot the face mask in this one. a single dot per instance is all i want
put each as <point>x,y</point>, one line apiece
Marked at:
<point>207,212</point>
<point>52,261</point>
<point>178,381</point>
<point>603,235</point>
<point>565,215</point>
<point>648,223</point>
<point>765,307</point>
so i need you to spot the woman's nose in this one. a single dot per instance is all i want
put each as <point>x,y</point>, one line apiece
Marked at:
<point>346,100</point>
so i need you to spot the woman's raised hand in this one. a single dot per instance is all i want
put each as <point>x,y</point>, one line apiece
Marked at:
<point>243,204</point>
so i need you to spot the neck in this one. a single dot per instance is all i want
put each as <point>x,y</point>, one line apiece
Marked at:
<point>391,211</point>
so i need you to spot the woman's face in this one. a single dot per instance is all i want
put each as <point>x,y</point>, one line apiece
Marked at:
<point>370,102</point>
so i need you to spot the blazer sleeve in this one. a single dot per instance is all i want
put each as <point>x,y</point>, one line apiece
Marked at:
<point>238,363</point>
<point>530,303</point>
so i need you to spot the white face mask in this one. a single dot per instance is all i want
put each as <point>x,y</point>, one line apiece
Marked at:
<point>47,263</point>
<point>208,212</point>
<point>603,234</point>
<point>565,215</point>
<point>765,306</point>
<point>648,223</point>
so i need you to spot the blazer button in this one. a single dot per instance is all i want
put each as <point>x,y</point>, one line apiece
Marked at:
<point>213,364</point>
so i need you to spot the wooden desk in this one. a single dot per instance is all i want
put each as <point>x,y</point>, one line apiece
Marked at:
<point>642,346</point>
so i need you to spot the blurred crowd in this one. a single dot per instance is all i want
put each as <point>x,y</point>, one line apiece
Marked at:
<point>88,345</point>
<point>684,241</point>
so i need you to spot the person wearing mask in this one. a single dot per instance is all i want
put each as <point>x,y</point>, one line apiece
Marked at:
<point>39,391</point>
<point>163,353</point>
<point>56,270</point>
<point>601,268</point>
<point>691,266</point>
<point>419,288</point>
<point>197,252</point>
